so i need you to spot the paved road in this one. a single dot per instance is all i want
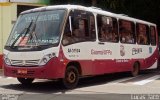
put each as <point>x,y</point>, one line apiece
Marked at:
<point>146,86</point>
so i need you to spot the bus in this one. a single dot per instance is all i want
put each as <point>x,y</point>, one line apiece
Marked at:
<point>68,42</point>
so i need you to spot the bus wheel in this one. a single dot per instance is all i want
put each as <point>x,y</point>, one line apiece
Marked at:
<point>25,81</point>
<point>71,78</point>
<point>135,70</point>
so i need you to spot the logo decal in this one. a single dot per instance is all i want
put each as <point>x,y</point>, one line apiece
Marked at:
<point>101,52</point>
<point>122,51</point>
<point>150,49</point>
<point>136,51</point>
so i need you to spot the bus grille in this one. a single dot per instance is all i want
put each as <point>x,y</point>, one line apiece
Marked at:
<point>25,62</point>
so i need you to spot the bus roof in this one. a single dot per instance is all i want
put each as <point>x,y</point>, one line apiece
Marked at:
<point>90,9</point>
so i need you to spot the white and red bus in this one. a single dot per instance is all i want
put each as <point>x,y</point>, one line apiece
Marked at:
<point>70,41</point>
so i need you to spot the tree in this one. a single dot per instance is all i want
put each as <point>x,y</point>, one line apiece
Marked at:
<point>94,2</point>
<point>142,9</point>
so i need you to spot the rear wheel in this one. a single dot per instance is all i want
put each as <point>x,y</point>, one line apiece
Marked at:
<point>135,70</point>
<point>25,81</point>
<point>71,77</point>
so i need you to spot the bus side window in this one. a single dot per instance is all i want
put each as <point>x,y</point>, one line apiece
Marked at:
<point>142,34</point>
<point>127,31</point>
<point>83,28</point>
<point>67,36</point>
<point>80,30</point>
<point>92,31</point>
<point>153,35</point>
<point>107,29</point>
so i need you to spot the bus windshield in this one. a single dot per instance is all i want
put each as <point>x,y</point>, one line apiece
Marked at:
<point>37,29</point>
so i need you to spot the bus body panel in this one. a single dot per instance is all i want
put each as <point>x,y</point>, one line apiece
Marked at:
<point>56,70</point>
<point>55,65</point>
<point>89,67</point>
<point>101,59</point>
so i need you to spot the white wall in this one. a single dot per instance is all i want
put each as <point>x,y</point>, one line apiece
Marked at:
<point>8,13</point>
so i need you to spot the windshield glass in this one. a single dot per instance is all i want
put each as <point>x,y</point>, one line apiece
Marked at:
<point>36,29</point>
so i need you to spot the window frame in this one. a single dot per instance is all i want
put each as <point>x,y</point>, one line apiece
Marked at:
<point>133,31</point>
<point>147,33</point>
<point>114,26</point>
<point>88,36</point>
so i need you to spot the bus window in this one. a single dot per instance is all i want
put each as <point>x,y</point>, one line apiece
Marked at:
<point>83,28</point>
<point>92,31</point>
<point>127,31</point>
<point>142,34</point>
<point>67,39</point>
<point>107,29</point>
<point>153,35</point>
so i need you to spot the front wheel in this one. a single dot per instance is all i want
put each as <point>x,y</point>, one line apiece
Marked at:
<point>25,81</point>
<point>71,78</point>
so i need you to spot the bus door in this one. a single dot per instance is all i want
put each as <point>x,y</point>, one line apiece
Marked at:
<point>79,38</point>
<point>107,45</point>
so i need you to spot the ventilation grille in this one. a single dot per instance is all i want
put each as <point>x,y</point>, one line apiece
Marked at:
<point>25,62</point>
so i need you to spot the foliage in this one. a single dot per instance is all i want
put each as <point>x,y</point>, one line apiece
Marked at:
<point>142,9</point>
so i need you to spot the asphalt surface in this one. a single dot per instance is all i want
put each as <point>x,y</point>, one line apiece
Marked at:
<point>118,86</point>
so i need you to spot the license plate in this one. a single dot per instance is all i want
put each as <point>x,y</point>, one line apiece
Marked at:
<point>22,71</point>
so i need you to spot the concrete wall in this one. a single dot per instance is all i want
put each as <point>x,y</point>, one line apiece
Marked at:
<point>8,14</point>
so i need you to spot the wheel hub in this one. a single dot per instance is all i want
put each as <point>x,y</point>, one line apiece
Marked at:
<point>71,77</point>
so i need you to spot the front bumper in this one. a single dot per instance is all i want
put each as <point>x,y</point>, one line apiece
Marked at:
<point>54,69</point>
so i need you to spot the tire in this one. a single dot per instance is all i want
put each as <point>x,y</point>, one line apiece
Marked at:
<point>135,70</point>
<point>25,81</point>
<point>71,78</point>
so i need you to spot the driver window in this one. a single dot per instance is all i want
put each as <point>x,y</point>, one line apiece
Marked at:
<point>83,28</point>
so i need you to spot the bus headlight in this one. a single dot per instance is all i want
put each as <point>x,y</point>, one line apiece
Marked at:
<point>6,60</point>
<point>46,58</point>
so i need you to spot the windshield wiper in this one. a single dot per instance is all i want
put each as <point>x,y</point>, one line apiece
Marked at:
<point>20,34</point>
<point>27,31</point>
<point>32,34</point>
